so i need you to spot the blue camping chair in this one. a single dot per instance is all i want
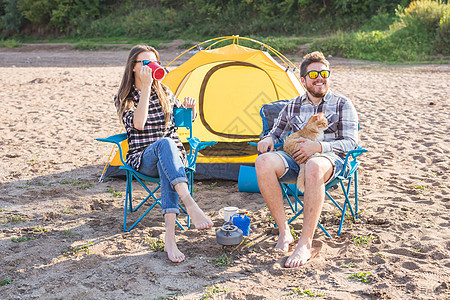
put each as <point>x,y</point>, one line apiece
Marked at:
<point>183,118</point>
<point>268,114</point>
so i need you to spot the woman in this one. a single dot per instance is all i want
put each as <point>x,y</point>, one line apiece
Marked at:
<point>145,108</point>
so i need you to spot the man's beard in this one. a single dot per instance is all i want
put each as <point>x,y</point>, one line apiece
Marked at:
<point>310,89</point>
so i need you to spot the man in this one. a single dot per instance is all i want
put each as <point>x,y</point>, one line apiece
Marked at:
<point>328,161</point>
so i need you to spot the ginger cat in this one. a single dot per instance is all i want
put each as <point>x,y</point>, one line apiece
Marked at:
<point>313,131</point>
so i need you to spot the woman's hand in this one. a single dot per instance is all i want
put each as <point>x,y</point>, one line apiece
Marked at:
<point>190,102</point>
<point>145,75</point>
<point>266,144</point>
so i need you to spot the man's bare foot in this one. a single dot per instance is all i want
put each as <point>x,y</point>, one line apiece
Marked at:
<point>300,256</point>
<point>200,220</point>
<point>284,240</point>
<point>302,253</point>
<point>173,253</point>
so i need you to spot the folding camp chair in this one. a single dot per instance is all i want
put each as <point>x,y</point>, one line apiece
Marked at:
<point>269,112</point>
<point>183,118</point>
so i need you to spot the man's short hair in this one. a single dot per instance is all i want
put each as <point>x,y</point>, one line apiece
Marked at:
<point>310,58</point>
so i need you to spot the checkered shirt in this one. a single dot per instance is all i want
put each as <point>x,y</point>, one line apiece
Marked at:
<point>139,140</point>
<point>341,135</point>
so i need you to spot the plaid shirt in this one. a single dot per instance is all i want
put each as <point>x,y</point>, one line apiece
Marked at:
<point>341,135</point>
<point>139,140</point>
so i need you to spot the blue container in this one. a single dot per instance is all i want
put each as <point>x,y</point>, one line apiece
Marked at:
<point>242,222</point>
<point>247,181</point>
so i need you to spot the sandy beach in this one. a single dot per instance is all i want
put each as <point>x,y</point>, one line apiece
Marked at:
<point>61,231</point>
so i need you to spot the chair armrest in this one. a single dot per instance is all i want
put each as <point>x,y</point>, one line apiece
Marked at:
<point>115,139</point>
<point>196,146</point>
<point>353,154</point>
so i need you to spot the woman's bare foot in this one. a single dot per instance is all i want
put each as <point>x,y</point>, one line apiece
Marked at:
<point>198,217</point>
<point>284,240</point>
<point>173,253</point>
<point>170,242</point>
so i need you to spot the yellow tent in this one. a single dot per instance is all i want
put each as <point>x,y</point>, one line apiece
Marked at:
<point>230,83</point>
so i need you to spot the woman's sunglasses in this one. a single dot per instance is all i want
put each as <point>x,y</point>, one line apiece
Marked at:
<point>146,62</point>
<point>314,74</point>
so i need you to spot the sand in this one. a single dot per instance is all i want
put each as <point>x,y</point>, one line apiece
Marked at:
<point>56,101</point>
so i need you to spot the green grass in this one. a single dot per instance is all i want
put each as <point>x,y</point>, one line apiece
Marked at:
<point>15,219</point>
<point>114,193</point>
<point>210,291</point>
<point>293,233</point>
<point>91,46</point>
<point>10,43</point>
<point>222,261</point>
<point>68,211</point>
<point>68,233</point>
<point>156,245</point>
<point>78,249</point>
<point>22,239</point>
<point>419,187</point>
<point>360,240</point>
<point>304,293</point>
<point>248,243</point>
<point>38,229</point>
<point>5,281</point>
<point>84,185</point>
<point>211,186</point>
<point>348,265</point>
<point>365,277</point>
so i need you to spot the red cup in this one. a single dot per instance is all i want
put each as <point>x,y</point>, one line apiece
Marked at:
<point>158,72</point>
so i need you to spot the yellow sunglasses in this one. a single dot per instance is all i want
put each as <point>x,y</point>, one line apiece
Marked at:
<point>314,74</point>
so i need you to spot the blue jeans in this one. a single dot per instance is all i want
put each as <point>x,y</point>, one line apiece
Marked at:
<point>292,168</point>
<point>161,159</point>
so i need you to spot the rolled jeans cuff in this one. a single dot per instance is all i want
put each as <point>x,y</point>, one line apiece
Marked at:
<point>178,180</point>
<point>171,210</point>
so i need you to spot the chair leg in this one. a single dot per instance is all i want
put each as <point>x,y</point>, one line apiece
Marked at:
<point>284,189</point>
<point>347,202</point>
<point>356,194</point>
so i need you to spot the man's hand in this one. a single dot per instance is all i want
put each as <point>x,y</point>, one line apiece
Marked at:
<point>266,144</point>
<point>304,149</point>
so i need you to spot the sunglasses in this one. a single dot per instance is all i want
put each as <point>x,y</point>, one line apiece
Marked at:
<point>146,62</point>
<point>314,74</point>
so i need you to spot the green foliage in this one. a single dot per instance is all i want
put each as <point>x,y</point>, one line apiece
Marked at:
<point>75,250</point>
<point>223,261</point>
<point>10,43</point>
<point>22,239</point>
<point>416,34</point>
<point>304,293</point>
<point>84,185</point>
<point>15,219</point>
<point>363,277</point>
<point>210,291</point>
<point>37,11</point>
<point>62,14</point>
<point>156,245</point>
<point>5,281</point>
<point>359,240</point>
<point>11,19</point>
<point>114,193</point>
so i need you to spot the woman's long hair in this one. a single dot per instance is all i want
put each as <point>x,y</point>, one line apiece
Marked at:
<point>124,100</point>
